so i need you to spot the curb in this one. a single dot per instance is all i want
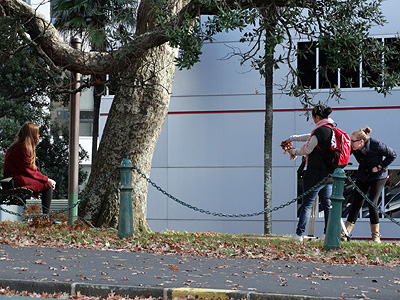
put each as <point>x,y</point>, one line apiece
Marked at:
<point>103,290</point>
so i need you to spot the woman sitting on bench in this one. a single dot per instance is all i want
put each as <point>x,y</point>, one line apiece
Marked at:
<point>20,163</point>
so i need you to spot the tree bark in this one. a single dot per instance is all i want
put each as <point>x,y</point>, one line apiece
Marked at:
<point>133,127</point>
<point>269,74</point>
<point>268,18</point>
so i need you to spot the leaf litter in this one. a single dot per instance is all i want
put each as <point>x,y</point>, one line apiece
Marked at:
<point>44,233</point>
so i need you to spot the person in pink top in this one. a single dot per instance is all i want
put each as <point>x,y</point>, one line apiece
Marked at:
<point>20,163</point>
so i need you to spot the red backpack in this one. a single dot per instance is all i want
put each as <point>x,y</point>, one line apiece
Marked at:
<point>339,152</point>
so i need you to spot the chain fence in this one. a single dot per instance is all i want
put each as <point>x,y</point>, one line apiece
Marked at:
<point>200,210</point>
<point>219,214</point>
<point>372,203</point>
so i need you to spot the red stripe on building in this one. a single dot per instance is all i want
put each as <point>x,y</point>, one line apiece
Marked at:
<point>262,111</point>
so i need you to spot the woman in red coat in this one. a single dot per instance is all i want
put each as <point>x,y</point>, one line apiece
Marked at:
<point>20,163</point>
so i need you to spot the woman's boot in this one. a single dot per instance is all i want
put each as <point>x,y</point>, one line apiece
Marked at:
<point>376,237</point>
<point>46,196</point>
<point>349,227</point>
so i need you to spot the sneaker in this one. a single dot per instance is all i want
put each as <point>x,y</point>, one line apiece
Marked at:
<point>57,221</point>
<point>322,237</point>
<point>296,238</point>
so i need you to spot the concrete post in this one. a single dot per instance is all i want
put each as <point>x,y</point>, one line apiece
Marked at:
<point>125,221</point>
<point>74,119</point>
<point>332,237</point>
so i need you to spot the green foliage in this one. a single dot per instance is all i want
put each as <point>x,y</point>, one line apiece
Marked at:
<point>105,23</point>
<point>24,75</point>
<point>27,84</point>
<point>23,83</point>
<point>8,129</point>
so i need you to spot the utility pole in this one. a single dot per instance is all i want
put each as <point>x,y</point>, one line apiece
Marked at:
<point>74,118</point>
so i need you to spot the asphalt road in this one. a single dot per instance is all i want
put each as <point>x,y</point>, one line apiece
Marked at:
<point>96,272</point>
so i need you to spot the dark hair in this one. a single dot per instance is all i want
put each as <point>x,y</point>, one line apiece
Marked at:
<point>321,111</point>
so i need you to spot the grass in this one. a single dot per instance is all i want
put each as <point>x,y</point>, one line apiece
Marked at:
<point>41,232</point>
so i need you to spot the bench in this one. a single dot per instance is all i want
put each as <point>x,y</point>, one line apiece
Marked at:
<point>15,196</point>
<point>9,195</point>
<point>12,200</point>
<point>56,204</point>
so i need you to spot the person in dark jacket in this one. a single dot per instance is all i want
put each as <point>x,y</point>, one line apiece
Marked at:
<point>373,157</point>
<point>317,143</point>
<point>20,163</point>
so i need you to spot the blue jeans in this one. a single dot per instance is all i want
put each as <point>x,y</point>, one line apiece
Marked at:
<point>324,192</point>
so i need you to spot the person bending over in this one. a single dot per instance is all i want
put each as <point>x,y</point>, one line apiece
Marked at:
<point>373,157</point>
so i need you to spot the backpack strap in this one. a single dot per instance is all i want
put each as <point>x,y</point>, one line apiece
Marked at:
<point>331,126</point>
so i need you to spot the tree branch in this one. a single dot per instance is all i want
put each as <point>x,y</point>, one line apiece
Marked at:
<point>63,55</point>
<point>253,4</point>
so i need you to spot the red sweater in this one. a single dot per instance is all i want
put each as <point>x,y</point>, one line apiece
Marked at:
<point>17,165</point>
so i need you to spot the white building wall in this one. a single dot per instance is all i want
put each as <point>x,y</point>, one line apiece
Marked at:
<point>210,153</point>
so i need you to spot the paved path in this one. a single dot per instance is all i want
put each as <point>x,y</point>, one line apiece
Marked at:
<point>95,272</point>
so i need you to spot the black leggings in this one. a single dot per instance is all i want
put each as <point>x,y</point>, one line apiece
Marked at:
<point>46,200</point>
<point>375,190</point>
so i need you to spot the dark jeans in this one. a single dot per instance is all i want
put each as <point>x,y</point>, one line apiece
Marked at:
<point>375,190</point>
<point>324,191</point>
<point>46,197</point>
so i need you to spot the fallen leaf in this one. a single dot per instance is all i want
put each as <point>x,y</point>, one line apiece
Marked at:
<point>173,268</point>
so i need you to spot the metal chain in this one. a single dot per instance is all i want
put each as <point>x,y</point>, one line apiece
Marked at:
<point>372,203</point>
<point>64,209</point>
<point>216,214</point>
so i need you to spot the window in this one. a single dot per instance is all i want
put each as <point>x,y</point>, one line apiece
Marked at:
<point>86,123</point>
<point>391,60</point>
<point>306,60</point>
<point>313,71</point>
<point>326,77</point>
<point>391,195</point>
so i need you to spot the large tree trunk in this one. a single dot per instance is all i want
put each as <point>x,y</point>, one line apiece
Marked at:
<point>133,127</point>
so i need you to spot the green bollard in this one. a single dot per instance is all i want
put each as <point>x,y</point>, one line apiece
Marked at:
<point>332,237</point>
<point>125,221</point>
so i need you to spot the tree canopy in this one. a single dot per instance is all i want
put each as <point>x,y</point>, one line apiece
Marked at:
<point>339,28</point>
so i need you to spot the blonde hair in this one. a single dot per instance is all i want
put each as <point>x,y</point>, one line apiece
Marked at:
<point>28,134</point>
<point>362,134</point>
